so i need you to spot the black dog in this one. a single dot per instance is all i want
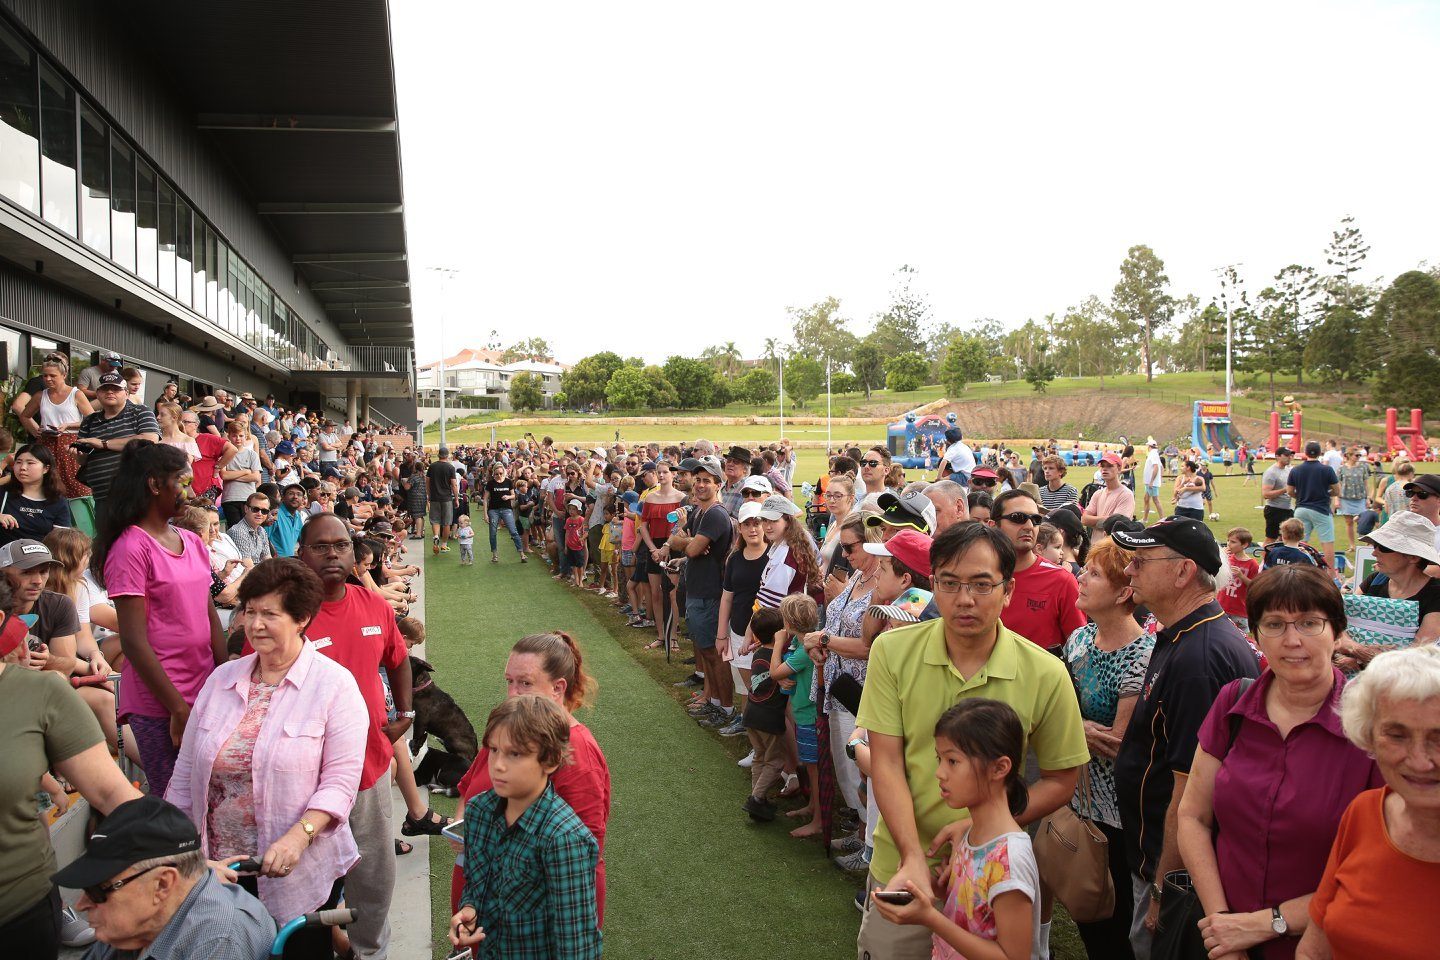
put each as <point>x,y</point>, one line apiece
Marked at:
<point>437,714</point>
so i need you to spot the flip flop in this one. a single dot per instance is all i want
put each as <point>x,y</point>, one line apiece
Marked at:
<point>402,848</point>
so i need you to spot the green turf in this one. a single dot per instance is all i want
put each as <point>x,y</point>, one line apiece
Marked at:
<point>688,873</point>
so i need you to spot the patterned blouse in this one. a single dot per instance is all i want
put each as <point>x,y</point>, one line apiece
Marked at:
<point>843,616</point>
<point>230,815</point>
<point>1101,679</point>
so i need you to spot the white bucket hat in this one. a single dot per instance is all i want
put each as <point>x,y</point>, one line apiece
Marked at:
<point>1407,533</point>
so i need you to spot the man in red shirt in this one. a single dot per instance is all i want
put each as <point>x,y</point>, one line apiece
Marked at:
<point>1042,607</point>
<point>356,629</point>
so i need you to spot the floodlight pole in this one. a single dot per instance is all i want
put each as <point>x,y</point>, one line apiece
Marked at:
<point>446,273</point>
<point>780,362</point>
<point>828,396</point>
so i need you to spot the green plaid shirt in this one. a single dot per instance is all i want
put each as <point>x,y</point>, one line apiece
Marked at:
<point>532,885</point>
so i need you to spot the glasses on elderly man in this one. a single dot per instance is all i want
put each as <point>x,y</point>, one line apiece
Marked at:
<point>754,494</point>
<point>99,893</point>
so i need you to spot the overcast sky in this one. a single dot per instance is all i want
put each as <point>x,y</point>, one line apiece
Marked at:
<point>657,177</point>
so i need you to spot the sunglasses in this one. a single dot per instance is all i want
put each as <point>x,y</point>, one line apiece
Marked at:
<point>1420,495</point>
<point>99,893</point>
<point>753,494</point>
<point>1379,548</point>
<point>872,463</point>
<point>260,510</point>
<point>1018,518</point>
<point>982,482</point>
<point>849,547</point>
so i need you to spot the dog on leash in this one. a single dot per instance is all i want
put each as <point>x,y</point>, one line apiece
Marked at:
<point>438,715</point>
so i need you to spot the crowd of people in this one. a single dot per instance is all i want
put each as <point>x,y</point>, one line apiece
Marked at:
<point>940,682</point>
<point>936,671</point>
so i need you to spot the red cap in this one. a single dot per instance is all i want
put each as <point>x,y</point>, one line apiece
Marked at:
<point>910,547</point>
<point>1111,458</point>
<point>12,634</point>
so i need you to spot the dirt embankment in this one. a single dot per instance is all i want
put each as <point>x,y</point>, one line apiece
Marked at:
<point>1095,415</point>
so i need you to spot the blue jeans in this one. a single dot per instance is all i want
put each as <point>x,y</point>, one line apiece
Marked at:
<point>557,525</point>
<point>508,518</point>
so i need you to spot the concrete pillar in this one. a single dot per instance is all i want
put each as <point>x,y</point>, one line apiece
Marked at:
<point>365,407</point>
<point>352,394</point>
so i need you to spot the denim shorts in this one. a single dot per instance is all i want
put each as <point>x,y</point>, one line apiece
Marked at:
<point>702,621</point>
<point>627,558</point>
<point>1351,508</point>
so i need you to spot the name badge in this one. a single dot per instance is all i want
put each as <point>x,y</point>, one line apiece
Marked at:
<point>370,631</point>
<point>322,643</point>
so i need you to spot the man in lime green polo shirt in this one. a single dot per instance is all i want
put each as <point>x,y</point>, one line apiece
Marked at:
<point>915,674</point>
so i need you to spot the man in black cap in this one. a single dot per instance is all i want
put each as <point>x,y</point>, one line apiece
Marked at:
<point>1424,494</point>
<point>149,892</point>
<point>89,379</point>
<point>1198,651</point>
<point>103,435</point>
<point>905,511</point>
<point>737,468</point>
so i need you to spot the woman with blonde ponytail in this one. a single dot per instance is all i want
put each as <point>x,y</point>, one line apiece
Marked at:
<point>551,665</point>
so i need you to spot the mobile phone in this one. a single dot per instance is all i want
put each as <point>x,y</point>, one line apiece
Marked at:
<point>33,642</point>
<point>898,897</point>
<point>455,830</point>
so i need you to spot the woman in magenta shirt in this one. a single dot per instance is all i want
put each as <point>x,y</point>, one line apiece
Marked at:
<point>549,664</point>
<point>272,757</point>
<point>1274,772</point>
<point>159,578</point>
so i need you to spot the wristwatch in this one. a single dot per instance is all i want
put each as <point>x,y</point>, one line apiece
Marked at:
<point>1157,892</point>
<point>1277,922</point>
<point>857,742</point>
<point>824,641</point>
<point>309,829</point>
<point>406,714</point>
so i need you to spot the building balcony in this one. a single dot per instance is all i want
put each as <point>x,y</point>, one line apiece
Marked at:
<point>380,368</point>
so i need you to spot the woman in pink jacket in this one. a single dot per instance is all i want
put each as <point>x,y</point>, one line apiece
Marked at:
<point>272,755</point>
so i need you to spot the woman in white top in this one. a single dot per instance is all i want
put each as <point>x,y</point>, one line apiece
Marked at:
<point>242,473</point>
<point>167,415</point>
<point>1190,492</point>
<point>53,416</point>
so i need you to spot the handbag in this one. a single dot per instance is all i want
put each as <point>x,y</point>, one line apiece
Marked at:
<point>1074,860</point>
<point>1178,935</point>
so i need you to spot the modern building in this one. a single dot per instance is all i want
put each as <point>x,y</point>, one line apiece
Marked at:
<point>479,379</point>
<point>211,189</point>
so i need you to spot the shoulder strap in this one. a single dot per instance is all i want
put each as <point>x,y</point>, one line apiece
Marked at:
<point>1236,719</point>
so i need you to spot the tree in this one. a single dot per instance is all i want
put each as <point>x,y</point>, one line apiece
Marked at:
<point>693,380</point>
<point>1201,345</point>
<point>843,382</point>
<point>531,348</point>
<point>1266,335</point>
<point>758,387</point>
<point>725,358</point>
<point>966,361</point>
<point>1343,259</point>
<point>1087,340</point>
<point>1334,347</point>
<point>1407,321</point>
<point>868,365</point>
<point>906,371</point>
<point>1299,289</point>
<point>1039,374</point>
<point>820,332</point>
<point>585,383</point>
<point>804,379</point>
<point>527,392</point>
<point>628,389</point>
<point>1139,300</point>
<point>901,328</point>
<point>662,391</point>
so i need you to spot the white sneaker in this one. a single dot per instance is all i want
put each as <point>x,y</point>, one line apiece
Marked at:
<point>74,931</point>
<point>745,761</point>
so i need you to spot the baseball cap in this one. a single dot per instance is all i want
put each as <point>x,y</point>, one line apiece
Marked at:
<point>111,379</point>
<point>1066,518</point>
<point>912,509</point>
<point>1118,521</point>
<point>749,510</point>
<point>576,503</point>
<point>757,483</point>
<point>1284,452</point>
<point>688,465</point>
<point>25,554</point>
<point>906,608</point>
<point>710,465</point>
<point>910,547</point>
<point>146,828</point>
<point>1111,458</point>
<point>647,465</point>
<point>12,634</point>
<point>110,356</point>
<point>285,449</point>
<point>953,435</point>
<point>631,498</point>
<point>349,492</point>
<point>775,506</point>
<point>984,473</point>
<point>601,453</point>
<point>1423,483</point>
<point>1186,536</point>
<point>1150,442</point>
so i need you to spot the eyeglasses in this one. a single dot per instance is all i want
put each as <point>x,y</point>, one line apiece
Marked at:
<point>1273,628</point>
<point>1021,518</point>
<point>836,496</point>
<point>977,588</point>
<point>101,892</point>
<point>872,463</point>
<point>260,510</point>
<point>337,549</point>
<point>982,482</point>
<point>1139,559</point>
<point>848,547</point>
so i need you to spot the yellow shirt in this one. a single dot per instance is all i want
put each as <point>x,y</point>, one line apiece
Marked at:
<point>910,682</point>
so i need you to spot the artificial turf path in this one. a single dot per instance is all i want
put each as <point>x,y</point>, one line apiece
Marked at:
<point>688,874</point>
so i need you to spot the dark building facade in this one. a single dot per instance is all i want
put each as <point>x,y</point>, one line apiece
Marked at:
<point>212,189</point>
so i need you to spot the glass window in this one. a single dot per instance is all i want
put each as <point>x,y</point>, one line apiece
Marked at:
<point>19,123</point>
<point>197,279</point>
<point>183,255</point>
<point>94,179</point>
<point>57,138</point>
<point>166,237</point>
<point>212,286</point>
<point>222,273</point>
<point>10,361</point>
<point>146,223</point>
<point>122,204</point>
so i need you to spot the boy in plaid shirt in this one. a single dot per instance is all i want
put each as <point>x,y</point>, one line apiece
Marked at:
<point>529,862</point>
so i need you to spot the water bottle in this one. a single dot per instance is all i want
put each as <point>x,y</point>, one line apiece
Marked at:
<point>822,533</point>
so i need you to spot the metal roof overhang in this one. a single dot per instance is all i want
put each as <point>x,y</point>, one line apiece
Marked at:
<point>300,99</point>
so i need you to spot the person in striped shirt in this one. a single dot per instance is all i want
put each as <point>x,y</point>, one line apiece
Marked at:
<point>1056,492</point>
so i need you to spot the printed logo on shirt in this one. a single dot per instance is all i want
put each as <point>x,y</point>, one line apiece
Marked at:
<point>322,643</point>
<point>371,631</point>
<point>1036,604</point>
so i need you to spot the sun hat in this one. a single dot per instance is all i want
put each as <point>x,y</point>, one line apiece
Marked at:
<point>1407,533</point>
<point>775,506</point>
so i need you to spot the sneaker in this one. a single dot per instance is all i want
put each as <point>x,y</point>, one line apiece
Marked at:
<point>694,680</point>
<point>707,714</point>
<point>645,623</point>
<point>720,719</point>
<point>857,862</point>
<point>850,844</point>
<point>74,931</point>
<point>861,896</point>
<point>699,706</point>
<point>735,729</point>
<point>745,762</point>
<point>626,609</point>
<point>761,811</point>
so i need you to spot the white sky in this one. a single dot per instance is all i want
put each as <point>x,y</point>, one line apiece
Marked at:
<point>657,177</point>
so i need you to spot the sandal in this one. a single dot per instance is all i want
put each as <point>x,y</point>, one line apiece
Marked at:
<point>653,645</point>
<point>401,847</point>
<point>425,826</point>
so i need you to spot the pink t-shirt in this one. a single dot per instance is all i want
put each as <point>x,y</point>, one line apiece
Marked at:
<point>1106,502</point>
<point>177,613</point>
<point>627,532</point>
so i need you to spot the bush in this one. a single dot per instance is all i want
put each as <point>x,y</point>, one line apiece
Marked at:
<point>905,372</point>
